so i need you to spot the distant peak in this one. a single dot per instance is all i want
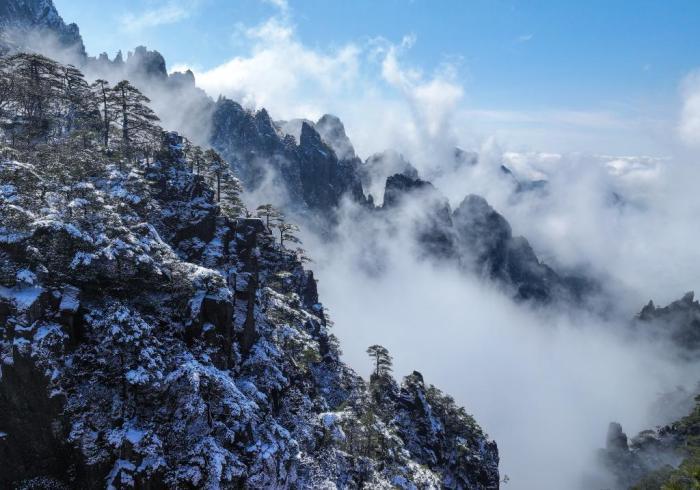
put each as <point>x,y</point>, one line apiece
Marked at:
<point>332,130</point>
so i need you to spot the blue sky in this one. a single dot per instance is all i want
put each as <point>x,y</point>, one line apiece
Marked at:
<point>614,57</point>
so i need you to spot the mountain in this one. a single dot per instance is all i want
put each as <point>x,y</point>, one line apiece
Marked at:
<point>297,159</point>
<point>667,456</point>
<point>678,322</point>
<point>36,25</point>
<point>480,241</point>
<point>153,336</point>
<point>310,173</point>
<point>307,168</point>
<point>663,458</point>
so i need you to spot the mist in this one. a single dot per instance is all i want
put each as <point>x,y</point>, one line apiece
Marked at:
<point>543,383</point>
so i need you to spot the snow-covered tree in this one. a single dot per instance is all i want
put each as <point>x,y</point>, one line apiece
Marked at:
<point>382,360</point>
<point>135,119</point>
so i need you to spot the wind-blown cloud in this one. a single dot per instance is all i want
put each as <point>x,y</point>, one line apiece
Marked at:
<point>382,101</point>
<point>281,74</point>
<point>282,5</point>
<point>690,116</point>
<point>527,377</point>
<point>171,12</point>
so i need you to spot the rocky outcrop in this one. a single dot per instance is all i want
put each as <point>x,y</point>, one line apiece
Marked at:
<point>145,64</point>
<point>160,343</point>
<point>36,25</point>
<point>649,458</point>
<point>487,245</point>
<point>375,171</point>
<point>678,322</point>
<point>480,241</point>
<point>432,224</point>
<point>310,172</point>
<point>332,131</point>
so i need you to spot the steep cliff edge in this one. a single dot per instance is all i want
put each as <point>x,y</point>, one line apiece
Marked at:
<point>151,337</point>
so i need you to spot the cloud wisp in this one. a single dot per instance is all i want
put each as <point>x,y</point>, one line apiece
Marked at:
<point>544,385</point>
<point>170,12</point>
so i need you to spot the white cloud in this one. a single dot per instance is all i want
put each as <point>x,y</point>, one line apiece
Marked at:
<point>283,5</point>
<point>525,38</point>
<point>690,115</point>
<point>539,383</point>
<point>283,75</point>
<point>171,12</point>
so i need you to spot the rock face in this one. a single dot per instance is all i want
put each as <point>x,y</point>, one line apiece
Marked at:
<point>425,418</point>
<point>487,245</point>
<point>666,457</point>
<point>30,24</point>
<point>310,172</point>
<point>315,179</point>
<point>332,131</point>
<point>375,171</point>
<point>678,322</point>
<point>151,340</point>
<point>480,240</point>
<point>432,224</point>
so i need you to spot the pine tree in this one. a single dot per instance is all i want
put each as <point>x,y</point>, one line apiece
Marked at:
<point>382,360</point>
<point>37,88</point>
<point>270,213</point>
<point>286,231</point>
<point>135,118</point>
<point>105,105</point>
<point>216,167</point>
<point>196,160</point>
<point>7,85</point>
<point>80,110</point>
<point>231,189</point>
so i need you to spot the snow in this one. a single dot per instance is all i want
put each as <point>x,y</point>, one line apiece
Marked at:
<point>81,258</point>
<point>69,300</point>
<point>26,276</point>
<point>45,330</point>
<point>23,298</point>
<point>134,436</point>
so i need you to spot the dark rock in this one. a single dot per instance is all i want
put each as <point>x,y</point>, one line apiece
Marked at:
<point>310,172</point>
<point>678,322</point>
<point>332,131</point>
<point>182,79</point>
<point>27,24</point>
<point>616,440</point>
<point>68,310</point>
<point>36,433</point>
<point>309,290</point>
<point>146,65</point>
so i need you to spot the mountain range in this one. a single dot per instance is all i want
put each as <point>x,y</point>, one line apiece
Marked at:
<point>151,340</point>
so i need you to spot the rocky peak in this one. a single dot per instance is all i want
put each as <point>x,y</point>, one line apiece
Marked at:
<point>27,23</point>
<point>616,440</point>
<point>32,14</point>
<point>478,223</point>
<point>182,79</point>
<point>378,167</point>
<point>309,139</point>
<point>400,185</point>
<point>332,131</point>
<point>145,64</point>
<point>678,322</point>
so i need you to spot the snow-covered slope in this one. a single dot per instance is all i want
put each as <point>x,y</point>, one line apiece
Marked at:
<point>150,338</point>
